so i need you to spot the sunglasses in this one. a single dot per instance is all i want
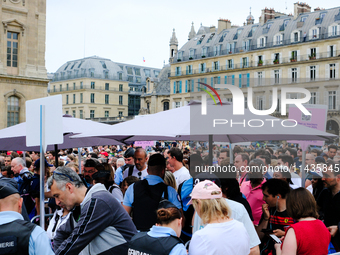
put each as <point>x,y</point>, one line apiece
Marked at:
<point>63,175</point>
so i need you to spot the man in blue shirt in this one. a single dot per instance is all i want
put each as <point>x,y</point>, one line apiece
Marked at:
<point>143,196</point>
<point>17,235</point>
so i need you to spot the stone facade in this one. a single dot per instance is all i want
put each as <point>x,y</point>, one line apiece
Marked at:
<point>23,75</point>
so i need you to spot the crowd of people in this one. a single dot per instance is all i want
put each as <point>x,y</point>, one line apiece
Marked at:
<point>167,200</point>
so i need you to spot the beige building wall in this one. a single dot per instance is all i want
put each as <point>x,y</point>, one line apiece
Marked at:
<point>77,93</point>
<point>23,75</point>
<point>323,83</point>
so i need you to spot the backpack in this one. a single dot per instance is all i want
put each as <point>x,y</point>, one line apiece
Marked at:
<point>126,167</point>
<point>26,193</point>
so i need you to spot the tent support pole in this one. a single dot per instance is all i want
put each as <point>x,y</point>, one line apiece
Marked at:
<point>210,163</point>
<point>56,155</point>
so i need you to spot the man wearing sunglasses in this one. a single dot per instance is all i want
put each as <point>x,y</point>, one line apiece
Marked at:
<point>129,165</point>
<point>98,223</point>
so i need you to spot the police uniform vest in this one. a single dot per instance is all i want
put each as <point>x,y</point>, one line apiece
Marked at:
<point>15,236</point>
<point>144,244</point>
<point>146,200</point>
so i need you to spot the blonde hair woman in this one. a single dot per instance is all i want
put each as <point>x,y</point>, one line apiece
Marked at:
<point>222,234</point>
<point>169,179</point>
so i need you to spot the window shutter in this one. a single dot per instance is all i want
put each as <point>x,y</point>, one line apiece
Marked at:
<point>248,79</point>
<point>329,30</point>
<point>256,78</point>
<point>273,57</point>
<point>327,71</point>
<point>174,87</point>
<point>232,63</point>
<point>328,51</point>
<point>290,75</point>
<point>180,86</point>
<point>204,67</point>
<point>205,80</point>
<point>280,76</point>
<point>225,79</point>
<point>212,82</point>
<point>298,74</point>
<point>187,69</point>
<point>212,66</point>
<point>280,57</point>
<point>241,64</point>
<point>325,99</point>
<point>186,86</point>
<point>247,61</point>
<point>272,76</point>
<point>317,97</point>
<point>317,72</point>
<point>219,80</point>
<point>317,52</point>
<point>192,86</point>
<point>240,80</point>
<point>233,80</point>
<point>298,55</point>
<point>218,65</point>
<point>307,73</point>
<point>336,70</point>
<point>264,59</point>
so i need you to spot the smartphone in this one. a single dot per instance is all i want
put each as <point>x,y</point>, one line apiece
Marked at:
<point>267,231</point>
<point>275,238</point>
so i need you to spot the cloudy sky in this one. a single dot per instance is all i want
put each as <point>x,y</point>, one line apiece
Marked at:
<point>128,31</point>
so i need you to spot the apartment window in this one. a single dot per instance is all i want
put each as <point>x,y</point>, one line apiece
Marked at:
<point>177,86</point>
<point>120,100</point>
<point>315,33</point>
<point>260,103</point>
<point>332,71</point>
<point>129,70</point>
<point>106,99</point>
<point>120,114</point>
<point>137,71</point>
<point>204,52</point>
<point>294,56</point>
<point>165,106</point>
<point>189,85</point>
<point>107,86</point>
<point>156,73</point>
<point>12,52</point>
<point>60,87</point>
<point>216,66</point>
<point>312,73</point>
<point>120,87</point>
<point>331,51</point>
<point>66,86</point>
<point>106,114</point>
<point>92,98</point>
<point>54,88</point>
<point>276,58</point>
<point>191,54</point>
<point>120,76</point>
<point>91,114</point>
<point>230,64</point>
<point>217,50</point>
<point>81,114</point>
<point>66,99</point>
<point>312,98</point>
<point>215,81</point>
<point>260,60</point>
<point>74,113</point>
<point>189,69</point>
<point>92,85</point>
<point>130,78</point>
<point>331,100</point>
<point>312,53</point>
<point>334,31</point>
<point>81,98</point>
<point>66,112</point>
<point>12,111</point>
<point>74,98</point>
<point>81,85</point>
<point>277,76</point>
<point>177,104</point>
<point>74,86</point>
<point>179,55</point>
<point>138,79</point>
<point>244,80</point>
<point>262,42</point>
<point>202,67</point>
<point>294,74</point>
<point>91,72</point>
<point>244,62</point>
<point>278,39</point>
<point>147,72</point>
<point>259,78</point>
<point>296,37</point>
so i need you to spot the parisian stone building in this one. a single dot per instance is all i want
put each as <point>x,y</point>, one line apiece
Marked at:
<point>23,74</point>
<point>296,50</point>
<point>99,89</point>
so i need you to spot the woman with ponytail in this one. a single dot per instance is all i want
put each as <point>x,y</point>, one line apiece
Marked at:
<point>162,237</point>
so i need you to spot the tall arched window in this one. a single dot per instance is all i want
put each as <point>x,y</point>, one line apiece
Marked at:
<point>12,111</point>
<point>165,106</point>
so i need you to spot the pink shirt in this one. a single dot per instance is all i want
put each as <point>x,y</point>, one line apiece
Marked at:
<point>254,198</point>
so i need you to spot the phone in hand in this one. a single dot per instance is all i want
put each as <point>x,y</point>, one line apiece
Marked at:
<point>275,238</point>
<point>267,231</point>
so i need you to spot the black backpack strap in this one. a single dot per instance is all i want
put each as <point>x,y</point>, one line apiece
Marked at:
<point>166,195</point>
<point>179,192</point>
<point>130,170</point>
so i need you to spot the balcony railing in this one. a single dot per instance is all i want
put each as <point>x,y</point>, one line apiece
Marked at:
<point>86,87</point>
<point>69,76</point>
<point>251,64</point>
<point>111,119</point>
<point>212,53</point>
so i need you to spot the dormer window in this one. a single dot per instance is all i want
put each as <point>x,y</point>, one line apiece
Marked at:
<point>191,53</point>
<point>204,52</point>
<point>210,37</point>
<point>223,36</point>
<point>278,39</point>
<point>179,55</point>
<point>303,19</point>
<point>103,64</point>
<point>200,40</point>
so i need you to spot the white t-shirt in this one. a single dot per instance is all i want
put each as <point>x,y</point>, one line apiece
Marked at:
<point>135,173</point>
<point>229,237</point>
<point>239,213</point>
<point>181,175</point>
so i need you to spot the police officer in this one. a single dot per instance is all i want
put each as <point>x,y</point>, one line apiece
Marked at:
<point>163,237</point>
<point>16,235</point>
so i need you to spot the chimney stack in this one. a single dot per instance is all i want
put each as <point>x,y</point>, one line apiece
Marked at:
<point>223,24</point>
<point>301,8</point>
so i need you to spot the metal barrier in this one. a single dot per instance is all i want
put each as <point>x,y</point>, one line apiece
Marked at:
<point>38,216</point>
